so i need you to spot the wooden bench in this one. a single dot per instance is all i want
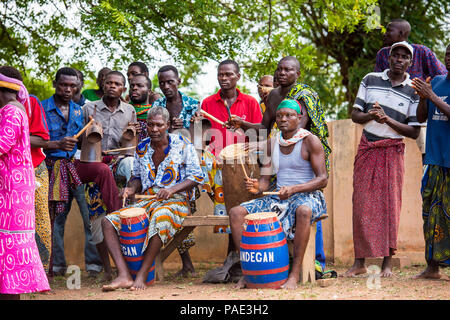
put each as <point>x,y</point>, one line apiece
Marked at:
<point>189,224</point>
<point>307,273</point>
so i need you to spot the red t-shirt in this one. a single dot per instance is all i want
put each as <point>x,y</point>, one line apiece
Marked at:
<point>38,127</point>
<point>245,107</point>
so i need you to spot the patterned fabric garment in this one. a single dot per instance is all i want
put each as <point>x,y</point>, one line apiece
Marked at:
<point>63,176</point>
<point>315,111</point>
<point>21,269</point>
<point>141,114</point>
<point>165,216</point>
<point>190,106</point>
<point>377,196</point>
<point>181,163</point>
<point>436,213</point>
<point>43,226</point>
<point>213,186</point>
<point>285,209</point>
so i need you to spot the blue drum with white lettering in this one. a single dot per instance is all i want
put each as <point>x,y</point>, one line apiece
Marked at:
<point>264,252</point>
<point>132,236</point>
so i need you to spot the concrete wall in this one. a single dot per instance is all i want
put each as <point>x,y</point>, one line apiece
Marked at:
<point>344,140</point>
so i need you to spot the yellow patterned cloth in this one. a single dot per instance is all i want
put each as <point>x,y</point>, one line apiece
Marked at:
<point>43,233</point>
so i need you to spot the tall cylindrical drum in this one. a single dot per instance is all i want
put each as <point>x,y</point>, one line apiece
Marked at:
<point>264,252</point>
<point>132,236</point>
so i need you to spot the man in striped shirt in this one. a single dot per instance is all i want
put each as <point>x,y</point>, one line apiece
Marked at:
<point>386,106</point>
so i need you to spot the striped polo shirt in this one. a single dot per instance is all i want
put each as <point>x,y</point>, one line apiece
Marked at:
<point>399,103</point>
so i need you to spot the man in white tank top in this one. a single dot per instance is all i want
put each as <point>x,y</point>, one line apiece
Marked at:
<point>301,154</point>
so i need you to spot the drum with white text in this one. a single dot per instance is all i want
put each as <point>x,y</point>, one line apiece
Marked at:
<point>264,252</point>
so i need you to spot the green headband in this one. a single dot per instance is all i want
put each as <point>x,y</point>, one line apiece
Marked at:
<point>291,104</point>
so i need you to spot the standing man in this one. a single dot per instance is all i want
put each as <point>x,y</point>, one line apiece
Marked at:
<point>66,175</point>
<point>424,64</point>
<point>313,119</point>
<point>298,159</point>
<point>140,90</point>
<point>138,67</point>
<point>386,105</point>
<point>97,94</point>
<point>78,98</point>
<point>229,96</point>
<point>181,109</point>
<point>434,106</point>
<point>265,85</point>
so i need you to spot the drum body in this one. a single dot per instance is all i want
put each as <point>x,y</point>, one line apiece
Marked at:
<point>132,235</point>
<point>235,159</point>
<point>91,147</point>
<point>264,252</point>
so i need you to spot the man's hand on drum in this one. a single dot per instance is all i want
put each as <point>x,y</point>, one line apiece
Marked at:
<point>285,192</point>
<point>252,185</point>
<point>196,117</point>
<point>165,193</point>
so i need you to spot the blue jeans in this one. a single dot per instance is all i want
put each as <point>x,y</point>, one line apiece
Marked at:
<point>91,256</point>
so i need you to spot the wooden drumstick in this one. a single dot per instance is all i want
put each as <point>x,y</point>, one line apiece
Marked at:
<point>206,114</point>
<point>120,149</point>
<point>84,129</point>
<point>266,193</point>
<point>145,196</point>
<point>124,200</point>
<point>243,167</point>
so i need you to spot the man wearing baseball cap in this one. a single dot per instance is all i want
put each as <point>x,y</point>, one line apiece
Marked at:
<point>386,106</point>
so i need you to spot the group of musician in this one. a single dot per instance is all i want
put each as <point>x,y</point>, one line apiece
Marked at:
<point>105,146</point>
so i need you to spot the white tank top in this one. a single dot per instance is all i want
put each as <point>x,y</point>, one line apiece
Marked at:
<point>291,169</point>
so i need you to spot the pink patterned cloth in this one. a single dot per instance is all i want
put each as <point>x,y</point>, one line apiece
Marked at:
<point>21,269</point>
<point>377,196</point>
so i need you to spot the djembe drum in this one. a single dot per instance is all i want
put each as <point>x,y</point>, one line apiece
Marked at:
<point>236,165</point>
<point>133,233</point>
<point>264,252</point>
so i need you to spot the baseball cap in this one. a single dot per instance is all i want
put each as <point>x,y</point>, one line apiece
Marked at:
<point>403,44</point>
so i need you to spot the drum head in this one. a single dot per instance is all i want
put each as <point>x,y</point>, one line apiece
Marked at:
<point>132,212</point>
<point>260,216</point>
<point>233,151</point>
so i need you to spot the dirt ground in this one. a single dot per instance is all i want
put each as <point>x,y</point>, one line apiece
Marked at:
<point>399,287</point>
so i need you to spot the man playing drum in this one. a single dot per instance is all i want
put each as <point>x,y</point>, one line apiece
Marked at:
<point>298,158</point>
<point>165,165</point>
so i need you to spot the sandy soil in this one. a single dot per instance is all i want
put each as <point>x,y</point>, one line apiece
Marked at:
<point>399,287</point>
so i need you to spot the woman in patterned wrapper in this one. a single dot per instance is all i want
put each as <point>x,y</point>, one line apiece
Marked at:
<point>21,269</point>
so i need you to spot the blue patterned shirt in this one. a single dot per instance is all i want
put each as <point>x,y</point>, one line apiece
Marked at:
<point>190,106</point>
<point>181,163</point>
<point>59,128</point>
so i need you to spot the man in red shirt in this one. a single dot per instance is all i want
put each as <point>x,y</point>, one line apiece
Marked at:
<point>240,104</point>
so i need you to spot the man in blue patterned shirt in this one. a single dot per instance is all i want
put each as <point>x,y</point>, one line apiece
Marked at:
<point>180,106</point>
<point>167,165</point>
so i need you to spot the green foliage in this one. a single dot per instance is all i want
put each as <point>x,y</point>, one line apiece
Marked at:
<point>335,41</point>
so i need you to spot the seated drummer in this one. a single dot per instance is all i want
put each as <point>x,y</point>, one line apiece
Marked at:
<point>297,157</point>
<point>167,165</point>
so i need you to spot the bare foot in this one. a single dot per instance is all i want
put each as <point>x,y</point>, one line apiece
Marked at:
<point>354,271</point>
<point>121,282</point>
<point>138,285</point>
<point>241,284</point>
<point>185,273</point>
<point>290,284</point>
<point>428,274</point>
<point>386,272</point>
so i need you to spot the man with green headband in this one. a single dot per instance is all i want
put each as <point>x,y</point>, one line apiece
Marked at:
<point>297,158</point>
<point>287,74</point>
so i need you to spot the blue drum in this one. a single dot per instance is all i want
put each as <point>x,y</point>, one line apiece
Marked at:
<point>132,236</point>
<point>264,252</point>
